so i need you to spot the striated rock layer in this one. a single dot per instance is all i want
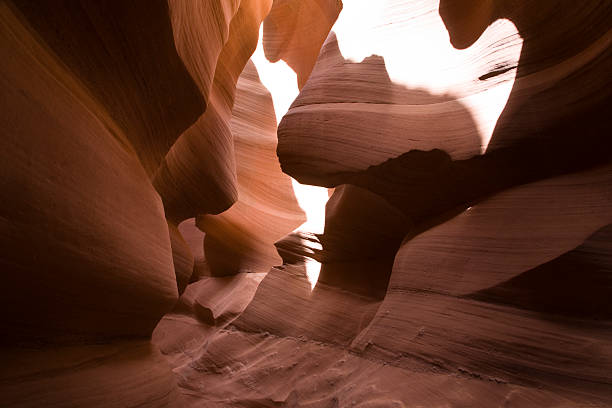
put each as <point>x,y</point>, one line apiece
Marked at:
<point>242,238</point>
<point>149,236</point>
<point>198,175</point>
<point>86,253</point>
<point>99,102</point>
<point>85,246</point>
<point>465,257</point>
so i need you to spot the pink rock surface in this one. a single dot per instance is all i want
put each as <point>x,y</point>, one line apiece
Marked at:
<point>198,175</point>
<point>466,257</point>
<point>194,238</point>
<point>85,246</point>
<point>498,293</point>
<point>123,75</point>
<point>441,304</point>
<point>242,238</point>
<point>294,31</point>
<point>201,30</point>
<point>182,258</point>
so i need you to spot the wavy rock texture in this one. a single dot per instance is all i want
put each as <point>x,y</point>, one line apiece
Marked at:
<point>556,93</point>
<point>440,309</point>
<point>466,258</point>
<point>523,273</point>
<point>276,371</point>
<point>123,76</point>
<point>206,307</point>
<point>85,246</point>
<point>194,238</point>
<point>294,31</point>
<point>201,30</point>
<point>182,257</point>
<point>499,213</point>
<point>242,238</point>
<point>94,97</point>
<point>362,234</point>
<point>82,220</point>
<point>198,175</point>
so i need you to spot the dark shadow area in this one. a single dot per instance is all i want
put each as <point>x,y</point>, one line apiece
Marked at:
<point>362,235</point>
<point>429,187</point>
<point>124,53</point>
<point>577,283</point>
<point>574,108</point>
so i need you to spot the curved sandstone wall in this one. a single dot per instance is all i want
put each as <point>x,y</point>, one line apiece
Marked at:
<point>149,235</point>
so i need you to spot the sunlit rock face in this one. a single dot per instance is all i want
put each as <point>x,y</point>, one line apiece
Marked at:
<point>156,255</point>
<point>295,30</point>
<point>468,144</point>
<point>389,80</point>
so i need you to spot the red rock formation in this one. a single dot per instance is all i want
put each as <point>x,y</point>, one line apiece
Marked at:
<point>440,308</point>
<point>242,238</point>
<point>194,238</point>
<point>198,175</point>
<point>182,258</point>
<point>126,373</point>
<point>85,244</point>
<point>294,31</point>
<point>94,96</point>
<point>557,94</point>
<point>201,30</point>
<point>123,76</point>
<point>500,286</point>
<point>466,257</point>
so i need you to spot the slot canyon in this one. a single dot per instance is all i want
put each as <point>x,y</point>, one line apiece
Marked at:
<point>306,203</point>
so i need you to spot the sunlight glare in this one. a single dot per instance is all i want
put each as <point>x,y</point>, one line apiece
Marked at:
<point>415,45</point>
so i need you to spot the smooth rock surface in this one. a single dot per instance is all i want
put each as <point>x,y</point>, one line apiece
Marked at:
<point>294,32</point>
<point>155,254</point>
<point>85,247</point>
<point>120,374</point>
<point>242,238</point>
<point>115,49</point>
<point>198,174</point>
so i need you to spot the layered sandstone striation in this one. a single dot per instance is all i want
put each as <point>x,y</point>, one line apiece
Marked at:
<point>242,238</point>
<point>149,226</point>
<point>466,245</point>
<point>85,246</point>
<point>295,30</point>
<point>97,100</point>
<point>198,174</point>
